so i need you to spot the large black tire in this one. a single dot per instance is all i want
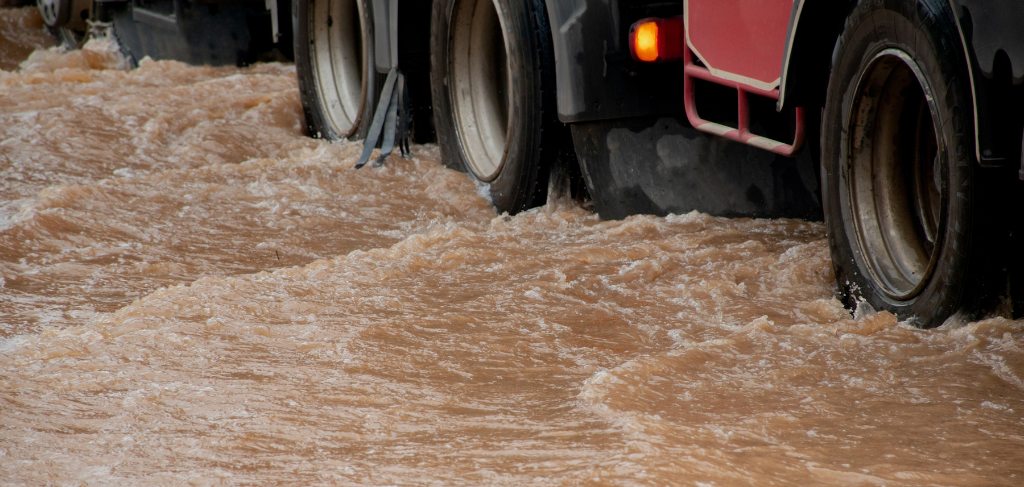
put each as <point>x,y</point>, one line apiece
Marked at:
<point>494,96</point>
<point>338,83</point>
<point>908,209</point>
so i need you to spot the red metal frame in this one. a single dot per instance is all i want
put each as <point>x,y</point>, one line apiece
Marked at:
<point>741,133</point>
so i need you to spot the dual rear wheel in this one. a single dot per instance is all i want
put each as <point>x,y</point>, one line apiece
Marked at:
<point>491,82</point>
<point>493,87</point>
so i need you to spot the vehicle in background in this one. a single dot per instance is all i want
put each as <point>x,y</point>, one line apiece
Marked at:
<point>213,32</point>
<point>898,122</point>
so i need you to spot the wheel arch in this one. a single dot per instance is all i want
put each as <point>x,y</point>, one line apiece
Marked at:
<point>814,28</point>
<point>993,45</point>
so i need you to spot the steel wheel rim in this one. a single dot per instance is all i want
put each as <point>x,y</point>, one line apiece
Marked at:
<point>339,68</point>
<point>896,173</point>
<point>480,88</point>
<point>51,12</point>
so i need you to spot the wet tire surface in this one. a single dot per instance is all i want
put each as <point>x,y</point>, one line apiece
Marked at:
<point>912,221</point>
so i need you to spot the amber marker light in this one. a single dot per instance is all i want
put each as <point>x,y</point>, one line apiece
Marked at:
<point>656,40</point>
<point>645,42</point>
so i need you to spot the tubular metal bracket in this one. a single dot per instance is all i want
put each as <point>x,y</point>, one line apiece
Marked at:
<point>741,133</point>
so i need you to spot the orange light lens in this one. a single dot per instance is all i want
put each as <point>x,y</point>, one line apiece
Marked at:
<point>645,42</point>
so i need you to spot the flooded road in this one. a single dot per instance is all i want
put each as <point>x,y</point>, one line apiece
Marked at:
<point>21,32</point>
<point>193,293</point>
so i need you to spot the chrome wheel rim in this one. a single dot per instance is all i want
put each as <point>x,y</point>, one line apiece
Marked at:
<point>897,175</point>
<point>339,68</point>
<point>480,88</point>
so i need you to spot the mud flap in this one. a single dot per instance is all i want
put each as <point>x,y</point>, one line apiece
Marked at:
<point>391,118</point>
<point>661,165</point>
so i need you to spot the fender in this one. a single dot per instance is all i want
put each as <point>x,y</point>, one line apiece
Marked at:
<point>1001,22</point>
<point>988,31</point>
<point>814,28</point>
<point>993,43</point>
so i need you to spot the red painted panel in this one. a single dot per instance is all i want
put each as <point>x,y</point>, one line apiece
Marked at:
<point>740,37</point>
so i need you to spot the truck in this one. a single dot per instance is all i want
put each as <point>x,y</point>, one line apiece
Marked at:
<point>210,32</point>
<point>898,123</point>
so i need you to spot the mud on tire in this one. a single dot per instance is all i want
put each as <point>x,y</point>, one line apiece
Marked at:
<point>908,209</point>
<point>493,86</point>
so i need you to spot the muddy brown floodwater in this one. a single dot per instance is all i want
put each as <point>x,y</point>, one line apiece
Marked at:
<point>21,32</point>
<point>193,293</point>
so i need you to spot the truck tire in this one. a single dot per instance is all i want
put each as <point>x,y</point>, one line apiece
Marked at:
<point>334,61</point>
<point>493,85</point>
<point>905,206</point>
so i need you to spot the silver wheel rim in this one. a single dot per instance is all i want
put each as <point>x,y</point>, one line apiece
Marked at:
<point>480,87</point>
<point>339,68</point>
<point>897,179</point>
<point>51,11</point>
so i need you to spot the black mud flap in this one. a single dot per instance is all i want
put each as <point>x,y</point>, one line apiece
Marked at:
<point>661,165</point>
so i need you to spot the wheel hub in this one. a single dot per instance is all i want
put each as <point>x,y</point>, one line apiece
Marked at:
<point>480,91</point>
<point>337,37</point>
<point>897,182</point>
